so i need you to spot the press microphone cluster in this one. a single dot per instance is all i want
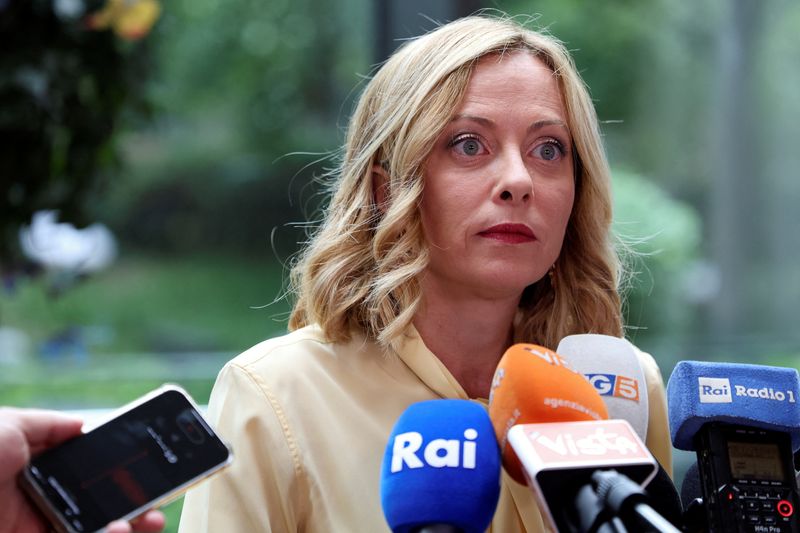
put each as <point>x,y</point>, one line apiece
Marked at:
<point>548,424</point>
<point>743,422</point>
<point>554,434</point>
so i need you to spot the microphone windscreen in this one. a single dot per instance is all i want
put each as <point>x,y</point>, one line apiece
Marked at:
<point>612,365</point>
<point>750,395</point>
<point>441,466</point>
<point>534,385</point>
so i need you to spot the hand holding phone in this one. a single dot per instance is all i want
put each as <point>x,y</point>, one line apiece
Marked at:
<point>150,452</point>
<point>24,432</point>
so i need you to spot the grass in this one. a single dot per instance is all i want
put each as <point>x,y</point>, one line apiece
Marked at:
<point>172,511</point>
<point>146,320</point>
<point>157,304</point>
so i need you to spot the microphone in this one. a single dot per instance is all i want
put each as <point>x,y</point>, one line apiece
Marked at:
<point>750,395</point>
<point>694,517</point>
<point>441,469</point>
<point>529,386</point>
<point>612,365</point>
<point>551,425</point>
<point>561,459</point>
<point>743,422</point>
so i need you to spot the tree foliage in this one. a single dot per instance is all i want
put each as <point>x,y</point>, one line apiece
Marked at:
<point>62,92</point>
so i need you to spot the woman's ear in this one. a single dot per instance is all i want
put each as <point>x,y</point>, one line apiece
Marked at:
<point>380,187</point>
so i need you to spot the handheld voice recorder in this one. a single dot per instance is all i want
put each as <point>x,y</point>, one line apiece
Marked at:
<point>748,480</point>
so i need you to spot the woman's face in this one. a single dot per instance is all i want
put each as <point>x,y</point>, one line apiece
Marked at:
<point>499,182</point>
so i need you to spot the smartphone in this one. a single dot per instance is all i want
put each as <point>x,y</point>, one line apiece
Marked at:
<point>150,452</point>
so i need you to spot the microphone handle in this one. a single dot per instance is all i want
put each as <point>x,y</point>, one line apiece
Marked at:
<point>652,521</point>
<point>588,515</point>
<point>626,500</point>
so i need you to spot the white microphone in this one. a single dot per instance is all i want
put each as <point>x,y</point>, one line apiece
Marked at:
<point>612,366</point>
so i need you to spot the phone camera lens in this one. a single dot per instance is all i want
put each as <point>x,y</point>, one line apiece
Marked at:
<point>188,424</point>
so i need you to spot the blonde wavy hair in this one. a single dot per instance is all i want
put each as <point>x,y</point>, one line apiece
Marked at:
<point>361,270</point>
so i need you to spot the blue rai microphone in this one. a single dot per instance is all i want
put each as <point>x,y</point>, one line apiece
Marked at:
<point>749,395</point>
<point>441,469</point>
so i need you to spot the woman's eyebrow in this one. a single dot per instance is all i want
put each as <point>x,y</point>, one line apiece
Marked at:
<point>539,124</point>
<point>480,120</point>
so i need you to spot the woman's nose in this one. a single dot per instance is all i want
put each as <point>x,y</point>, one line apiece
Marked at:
<point>515,183</point>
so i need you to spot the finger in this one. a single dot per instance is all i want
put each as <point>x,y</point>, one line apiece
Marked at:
<point>42,428</point>
<point>14,452</point>
<point>118,526</point>
<point>150,522</point>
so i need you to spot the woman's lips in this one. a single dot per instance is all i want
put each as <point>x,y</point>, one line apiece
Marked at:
<point>509,233</point>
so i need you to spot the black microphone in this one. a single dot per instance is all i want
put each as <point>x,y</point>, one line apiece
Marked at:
<point>694,516</point>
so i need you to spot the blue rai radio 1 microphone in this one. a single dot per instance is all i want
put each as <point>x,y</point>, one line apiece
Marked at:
<point>743,422</point>
<point>441,469</point>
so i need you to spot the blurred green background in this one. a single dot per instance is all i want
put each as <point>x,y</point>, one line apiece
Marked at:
<point>198,142</point>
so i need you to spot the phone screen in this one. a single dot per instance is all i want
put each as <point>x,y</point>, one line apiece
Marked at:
<point>129,462</point>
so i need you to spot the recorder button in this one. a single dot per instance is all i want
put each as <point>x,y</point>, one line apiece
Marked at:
<point>785,508</point>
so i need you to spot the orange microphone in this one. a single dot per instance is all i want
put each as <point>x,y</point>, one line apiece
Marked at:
<point>535,385</point>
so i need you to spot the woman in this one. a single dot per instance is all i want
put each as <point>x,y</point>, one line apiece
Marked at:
<point>471,211</point>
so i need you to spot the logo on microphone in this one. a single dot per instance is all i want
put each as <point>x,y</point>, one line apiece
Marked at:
<point>438,453</point>
<point>617,386</point>
<point>577,444</point>
<point>719,390</point>
<point>549,357</point>
<point>715,390</point>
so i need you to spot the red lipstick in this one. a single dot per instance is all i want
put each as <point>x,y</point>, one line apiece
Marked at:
<point>509,233</point>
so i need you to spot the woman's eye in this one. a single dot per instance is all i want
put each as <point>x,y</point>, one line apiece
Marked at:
<point>549,151</point>
<point>466,145</point>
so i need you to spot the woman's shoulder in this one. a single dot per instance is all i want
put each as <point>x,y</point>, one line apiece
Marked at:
<point>302,353</point>
<point>294,345</point>
<point>303,347</point>
<point>650,369</point>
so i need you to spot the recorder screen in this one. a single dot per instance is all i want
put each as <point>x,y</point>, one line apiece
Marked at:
<point>129,462</point>
<point>759,461</point>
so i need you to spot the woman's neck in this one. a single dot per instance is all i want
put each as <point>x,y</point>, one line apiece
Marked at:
<point>469,335</point>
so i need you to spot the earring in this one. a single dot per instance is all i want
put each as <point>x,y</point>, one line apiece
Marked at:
<point>552,275</point>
